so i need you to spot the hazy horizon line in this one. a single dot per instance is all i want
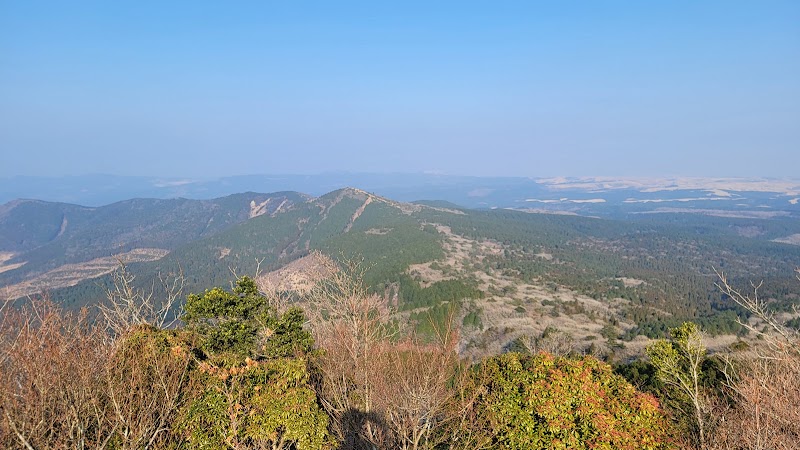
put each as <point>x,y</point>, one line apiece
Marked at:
<point>198,178</point>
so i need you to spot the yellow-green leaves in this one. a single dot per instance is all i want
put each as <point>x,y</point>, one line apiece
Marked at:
<point>542,401</point>
<point>678,363</point>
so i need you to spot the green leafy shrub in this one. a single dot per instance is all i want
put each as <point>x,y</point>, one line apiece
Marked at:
<point>514,401</point>
<point>243,323</point>
<point>251,387</point>
<point>267,404</point>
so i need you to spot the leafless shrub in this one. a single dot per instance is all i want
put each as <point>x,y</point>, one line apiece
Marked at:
<point>764,383</point>
<point>51,392</point>
<point>350,324</point>
<point>381,391</point>
<point>7,336</point>
<point>552,341</point>
<point>415,390</point>
<point>777,336</point>
<point>765,414</point>
<point>128,306</point>
<point>65,385</point>
<point>144,378</point>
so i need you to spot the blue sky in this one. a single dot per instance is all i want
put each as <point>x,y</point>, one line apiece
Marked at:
<point>480,88</point>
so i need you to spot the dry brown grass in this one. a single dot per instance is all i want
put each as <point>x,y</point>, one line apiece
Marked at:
<point>300,275</point>
<point>514,308</point>
<point>71,274</point>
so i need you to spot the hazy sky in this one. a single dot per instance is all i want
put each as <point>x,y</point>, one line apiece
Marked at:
<point>483,88</point>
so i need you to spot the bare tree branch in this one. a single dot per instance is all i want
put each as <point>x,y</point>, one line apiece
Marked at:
<point>764,382</point>
<point>777,336</point>
<point>128,305</point>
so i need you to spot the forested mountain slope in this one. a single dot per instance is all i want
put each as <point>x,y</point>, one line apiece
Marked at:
<point>507,274</point>
<point>37,237</point>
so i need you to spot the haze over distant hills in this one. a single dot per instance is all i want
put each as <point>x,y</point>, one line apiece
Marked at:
<point>600,196</point>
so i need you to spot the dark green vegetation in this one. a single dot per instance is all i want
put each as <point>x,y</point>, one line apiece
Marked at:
<point>253,384</point>
<point>670,256</point>
<point>47,235</point>
<point>231,323</point>
<point>321,225</point>
<point>675,262</point>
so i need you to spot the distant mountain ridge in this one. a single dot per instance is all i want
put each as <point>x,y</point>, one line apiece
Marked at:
<point>44,235</point>
<point>506,272</point>
<point>613,197</point>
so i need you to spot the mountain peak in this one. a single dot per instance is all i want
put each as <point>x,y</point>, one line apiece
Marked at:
<point>353,192</point>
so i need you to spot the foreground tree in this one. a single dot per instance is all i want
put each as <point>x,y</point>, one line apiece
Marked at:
<point>252,385</point>
<point>242,323</point>
<point>414,391</point>
<point>514,401</point>
<point>352,328</point>
<point>382,388</point>
<point>679,363</point>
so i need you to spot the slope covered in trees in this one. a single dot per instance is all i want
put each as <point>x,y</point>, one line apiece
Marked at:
<point>641,276</point>
<point>43,236</point>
